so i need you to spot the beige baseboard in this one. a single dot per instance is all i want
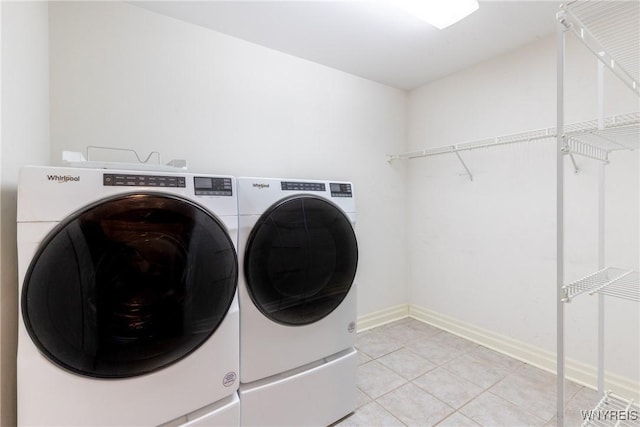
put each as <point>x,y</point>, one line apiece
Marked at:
<point>381,317</point>
<point>576,371</point>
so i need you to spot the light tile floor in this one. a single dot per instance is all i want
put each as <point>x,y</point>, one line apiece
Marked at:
<point>412,374</point>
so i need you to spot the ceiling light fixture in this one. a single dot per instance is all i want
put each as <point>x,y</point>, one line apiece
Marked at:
<point>439,13</point>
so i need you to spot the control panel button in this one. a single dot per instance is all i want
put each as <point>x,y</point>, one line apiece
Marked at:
<point>131,180</point>
<point>302,186</point>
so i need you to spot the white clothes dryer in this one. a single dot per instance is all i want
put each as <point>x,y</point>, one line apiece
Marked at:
<point>128,298</point>
<point>298,251</point>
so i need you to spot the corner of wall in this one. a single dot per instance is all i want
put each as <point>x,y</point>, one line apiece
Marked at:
<point>24,138</point>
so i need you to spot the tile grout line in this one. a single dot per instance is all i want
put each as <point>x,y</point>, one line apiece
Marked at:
<point>443,341</point>
<point>410,381</point>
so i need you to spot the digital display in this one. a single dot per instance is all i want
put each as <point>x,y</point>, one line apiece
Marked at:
<point>204,183</point>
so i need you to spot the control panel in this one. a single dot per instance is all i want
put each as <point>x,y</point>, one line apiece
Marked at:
<point>302,186</point>
<point>340,190</point>
<point>129,180</point>
<point>212,186</point>
<point>203,185</point>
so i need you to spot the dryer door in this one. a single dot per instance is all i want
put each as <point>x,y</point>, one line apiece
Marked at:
<point>129,285</point>
<point>300,260</point>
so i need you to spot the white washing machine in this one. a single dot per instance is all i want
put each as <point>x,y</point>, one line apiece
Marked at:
<point>128,305</point>
<point>298,251</point>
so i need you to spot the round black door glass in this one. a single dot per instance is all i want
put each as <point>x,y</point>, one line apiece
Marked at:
<point>300,260</point>
<point>129,285</point>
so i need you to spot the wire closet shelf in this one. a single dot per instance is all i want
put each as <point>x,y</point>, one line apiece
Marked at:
<point>586,139</point>
<point>617,282</point>
<point>611,31</point>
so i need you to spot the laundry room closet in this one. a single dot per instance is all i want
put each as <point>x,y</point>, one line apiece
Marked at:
<point>463,240</point>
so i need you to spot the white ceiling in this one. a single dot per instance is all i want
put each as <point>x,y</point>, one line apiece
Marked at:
<point>372,39</point>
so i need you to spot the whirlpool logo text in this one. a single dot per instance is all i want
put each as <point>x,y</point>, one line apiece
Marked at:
<point>63,178</point>
<point>260,186</point>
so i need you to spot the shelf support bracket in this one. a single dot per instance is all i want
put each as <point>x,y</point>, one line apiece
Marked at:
<point>567,150</point>
<point>464,165</point>
<point>575,164</point>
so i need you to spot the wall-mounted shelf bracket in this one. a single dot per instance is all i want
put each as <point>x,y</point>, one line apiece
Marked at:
<point>575,164</point>
<point>464,165</point>
<point>567,150</point>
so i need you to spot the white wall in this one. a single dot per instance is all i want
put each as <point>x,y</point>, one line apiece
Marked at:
<point>484,251</point>
<point>25,139</point>
<point>122,76</point>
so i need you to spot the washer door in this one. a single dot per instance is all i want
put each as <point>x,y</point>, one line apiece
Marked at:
<point>129,285</point>
<point>300,260</point>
